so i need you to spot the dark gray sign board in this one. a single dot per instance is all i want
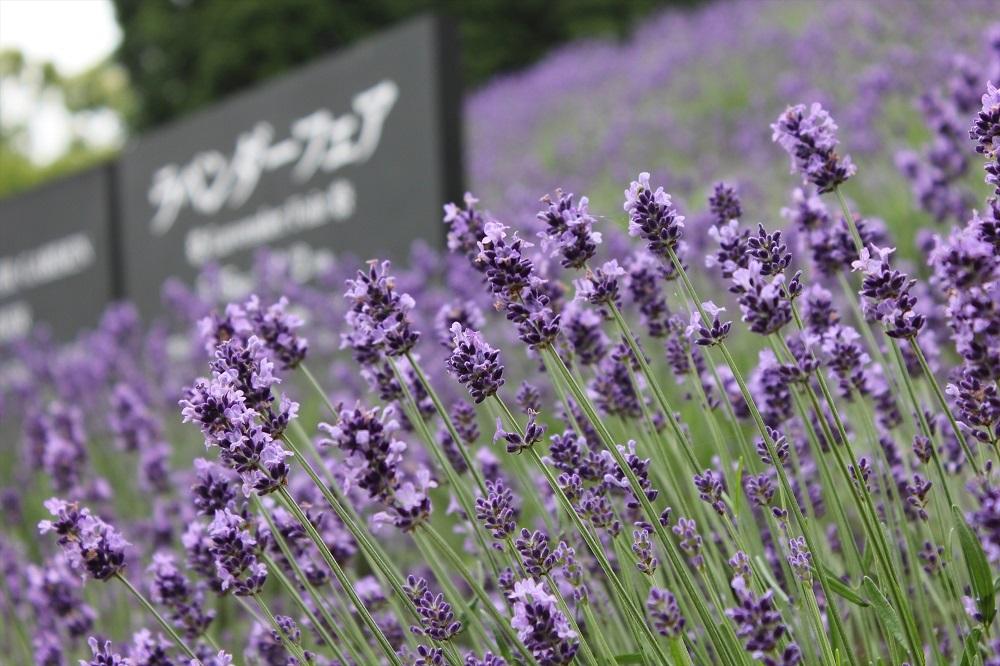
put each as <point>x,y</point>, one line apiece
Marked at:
<point>355,152</point>
<point>56,264</point>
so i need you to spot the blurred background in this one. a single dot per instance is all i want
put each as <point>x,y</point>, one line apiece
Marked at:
<point>78,77</point>
<point>558,93</point>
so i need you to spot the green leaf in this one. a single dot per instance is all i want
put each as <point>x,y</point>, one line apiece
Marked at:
<point>886,613</point>
<point>505,650</point>
<point>842,590</point>
<point>630,658</point>
<point>868,559</point>
<point>971,652</point>
<point>980,576</point>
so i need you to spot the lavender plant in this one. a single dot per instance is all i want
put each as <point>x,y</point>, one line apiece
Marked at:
<point>703,441</point>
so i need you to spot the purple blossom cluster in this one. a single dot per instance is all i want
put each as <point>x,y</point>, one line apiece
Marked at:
<point>658,488</point>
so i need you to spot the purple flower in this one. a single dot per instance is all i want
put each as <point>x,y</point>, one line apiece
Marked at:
<point>780,447</point>
<point>615,475</point>
<point>54,590</point>
<point>582,327</point>
<point>410,506</point>
<point>769,250</point>
<point>931,558</point>
<point>760,488</point>
<point>690,541</point>
<point>429,656</point>
<point>710,488</point>
<point>978,404</point>
<point>466,226</point>
<point>645,273</point>
<point>496,511</point>
<point>537,324</point>
<point>104,656</point>
<point>652,216</point>
<point>732,252</point>
<point>886,294</point>
<point>541,626</point>
<point>757,621</point>
<point>763,302</point>
<point>534,549</point>
<point>508,271</point>
<point>570,229</point>
<point>130,419</point>
<point>808,212</point>
<point>276,328</point>
<point>725,204</point>
<point>489,659</point>
<point>249,368</point>
<point>465,313</point>
<point>366,437</point>
<point>985,130</point>
<point>63,454</point>
<point>90,544</point>
<point>185,602</point>
<point>148,650</point>
<point>533,432</point>
<point>235,553</point>
<point>464,417</point>
<point>708,336</point>
<point>600,287</point>
<point>800,559</point>
<point>664,613</point>
<point>810,140</point>
<point>916,495</point>
<point>378,316</point>
<point>213,489</point>
<point>259,460</point>
<point>740,564</point>
<point>846,359</point>
<point>819,312</point>
<point>436,617</point>
<point>216,406</point>
<point>572,570</point>
<point>642,547</point>
<point>474,363</point>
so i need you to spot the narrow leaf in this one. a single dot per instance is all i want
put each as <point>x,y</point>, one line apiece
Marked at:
<point>980,576</point>
<point>630,658</point>
<point>971,652</point>
<point>843,590</point>
<point>885,612</point>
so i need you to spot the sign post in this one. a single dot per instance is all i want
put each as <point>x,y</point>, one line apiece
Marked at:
<point>56,264</point>
<point>355,152</point>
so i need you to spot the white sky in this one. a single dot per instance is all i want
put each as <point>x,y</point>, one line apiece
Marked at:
<point>72,34</point>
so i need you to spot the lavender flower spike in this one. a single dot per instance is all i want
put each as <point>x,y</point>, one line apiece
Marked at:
<point>810,139</point>
<point>652,216</point>
<point>664,613</point>
<point>90,544</point>
<point>474,363</point>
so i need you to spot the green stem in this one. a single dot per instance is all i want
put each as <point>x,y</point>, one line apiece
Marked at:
<point>342,578</point>
<point>291,646</point>
<point>159,618</point>
<point>769,443</point>
<point>317,388</point>
<point>297,570</point>
<point>449,424</point>
<point>502,624</point>
<point>943,404</point>
<point>849,220</point>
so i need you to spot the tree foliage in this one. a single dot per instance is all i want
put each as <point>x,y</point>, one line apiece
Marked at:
<point>182,55</point>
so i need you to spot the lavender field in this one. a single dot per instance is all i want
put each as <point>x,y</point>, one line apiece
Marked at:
<point>732,401</point>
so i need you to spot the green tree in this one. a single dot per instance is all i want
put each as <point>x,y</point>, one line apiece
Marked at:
<point>98,89</point>
<point>184,54</point>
